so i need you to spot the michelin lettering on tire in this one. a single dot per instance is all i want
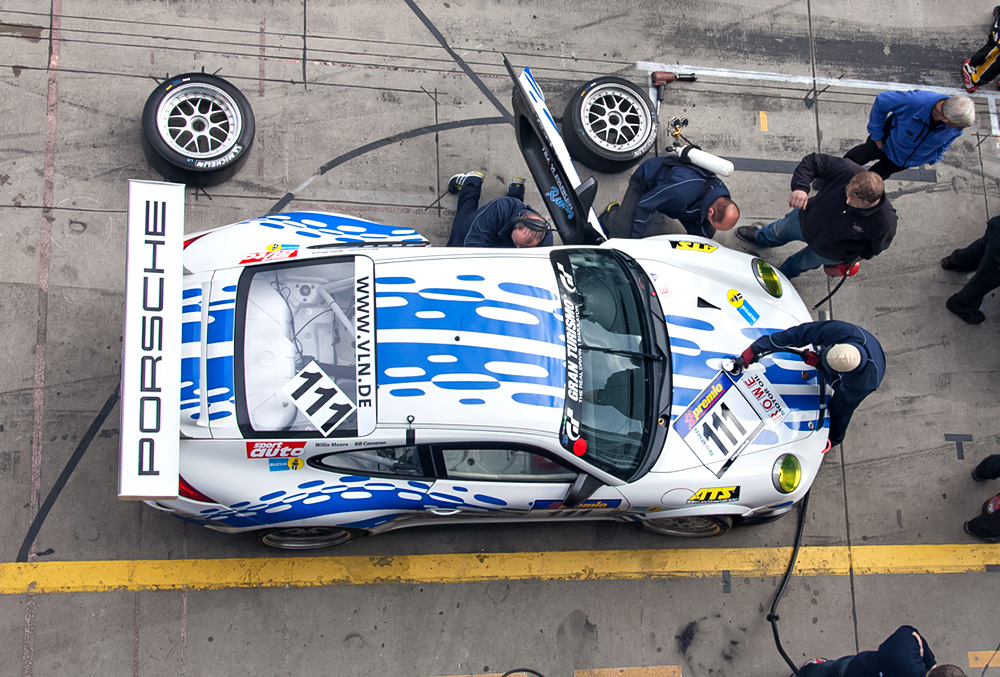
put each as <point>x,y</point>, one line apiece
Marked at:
<point>609,124</point>
<point>197,129</point>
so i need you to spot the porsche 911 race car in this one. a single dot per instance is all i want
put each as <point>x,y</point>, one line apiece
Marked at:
<point>314,377</point>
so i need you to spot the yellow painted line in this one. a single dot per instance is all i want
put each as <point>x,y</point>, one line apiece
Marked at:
<point>763,121</point>
<point>984,659</point>
<point>656,671</point>
<point>582,565</point>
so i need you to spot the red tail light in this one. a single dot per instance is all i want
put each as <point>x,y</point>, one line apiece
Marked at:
<point>192,239</point>
<point>187,491</point>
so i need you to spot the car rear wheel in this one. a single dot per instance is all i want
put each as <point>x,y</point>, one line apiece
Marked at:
<point>197,129</point>
<point>609,124</point>
<point>690,526</point>
<point>307,538</point>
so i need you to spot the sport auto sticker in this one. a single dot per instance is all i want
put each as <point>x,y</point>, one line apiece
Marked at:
<point>743,306</point>
<point>318,398</point>
<point>275,449</point>
<point>693,246</point>
<point>719,424</point>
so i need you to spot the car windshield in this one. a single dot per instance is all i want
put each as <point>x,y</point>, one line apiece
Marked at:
<point>615,363</point>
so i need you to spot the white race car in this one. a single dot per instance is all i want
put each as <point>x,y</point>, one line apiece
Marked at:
<point>336,377</point>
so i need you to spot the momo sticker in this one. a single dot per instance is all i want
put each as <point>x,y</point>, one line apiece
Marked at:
<point>693,246</point>
<point>743,306</point>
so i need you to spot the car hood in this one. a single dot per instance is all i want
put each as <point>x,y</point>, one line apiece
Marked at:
<point>714,308</point>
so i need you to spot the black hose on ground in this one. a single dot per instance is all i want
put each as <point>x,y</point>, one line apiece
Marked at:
<point>772,617</point>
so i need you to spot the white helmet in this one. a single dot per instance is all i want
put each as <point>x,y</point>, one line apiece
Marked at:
<point>842,357</point>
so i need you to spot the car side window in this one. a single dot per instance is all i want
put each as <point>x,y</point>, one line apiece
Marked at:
<point>377,461</point>
<point>511,465</point>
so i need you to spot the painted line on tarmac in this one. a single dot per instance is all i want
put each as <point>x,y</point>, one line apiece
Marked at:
<point>651,671</point>
<point>808,80</point>
<point>984,659</point>
<point>579,565</point>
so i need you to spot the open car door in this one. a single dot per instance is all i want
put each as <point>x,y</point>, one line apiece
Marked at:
<point>568,199</point>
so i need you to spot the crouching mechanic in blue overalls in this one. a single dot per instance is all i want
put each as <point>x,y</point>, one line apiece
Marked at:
<point>503,222</point>
<point>849,358</point>
<point>694,196</point>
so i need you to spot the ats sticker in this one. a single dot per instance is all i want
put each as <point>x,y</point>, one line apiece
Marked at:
<point>276,464</point>
<point>716,495</point>
<point>693,246</point>
<point>275,449</point>
<point>743,306</point>
<point>271,255</point>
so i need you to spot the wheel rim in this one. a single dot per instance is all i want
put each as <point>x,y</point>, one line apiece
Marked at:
<point>615,118</point>
<point>199,121</point>
<point>306,538</point>
<point>692,525</point>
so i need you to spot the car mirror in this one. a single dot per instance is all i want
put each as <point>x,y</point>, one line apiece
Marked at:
<point>582,489</point>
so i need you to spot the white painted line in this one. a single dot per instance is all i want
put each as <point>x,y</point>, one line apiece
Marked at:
<point>994,127</point>
<point>731,74</point>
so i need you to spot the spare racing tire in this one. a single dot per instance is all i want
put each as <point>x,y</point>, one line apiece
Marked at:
<point>197,129</point>
<point>609,124</point>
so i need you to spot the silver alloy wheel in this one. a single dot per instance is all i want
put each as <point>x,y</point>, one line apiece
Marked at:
<point>199,121</point>
<point>615,119</point>
<point>690,526</point>
<point>306,538</point>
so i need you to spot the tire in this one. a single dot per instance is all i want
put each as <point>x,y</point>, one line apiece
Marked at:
<point>197,129</point>
<point>307,538</point>
<point>609,124</point>
<point>690,526</point>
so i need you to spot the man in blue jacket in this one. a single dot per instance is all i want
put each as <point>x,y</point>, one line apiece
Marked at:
<point>503,222</point>
<point>904,654</point>
<point>908,129</point>
<point>694,196</point>
<point>849,358</point>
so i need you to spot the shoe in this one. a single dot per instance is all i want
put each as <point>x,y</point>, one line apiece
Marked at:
<point>516,188</point>
<point>456,182</point>
<point>948,264</point>
<point>748,234</point>
<point>967,72</point>
<point>973,317</point>
<point>977,477</point>
<point>981,537</point>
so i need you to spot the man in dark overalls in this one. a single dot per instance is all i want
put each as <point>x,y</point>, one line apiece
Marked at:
<point>503,222</point>
<point>849,358</point>
<point>694,196</point>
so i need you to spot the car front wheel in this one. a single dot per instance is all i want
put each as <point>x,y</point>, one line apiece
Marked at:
<point>307,538</point>
<point>690,526</point>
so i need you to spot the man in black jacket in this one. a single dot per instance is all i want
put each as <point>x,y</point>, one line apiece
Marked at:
<point>848,219</point>
<point>903,654</point>
<point>850,359</point>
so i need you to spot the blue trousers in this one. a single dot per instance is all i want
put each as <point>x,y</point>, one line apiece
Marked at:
<point>828,669</point>
<point>785,230</point>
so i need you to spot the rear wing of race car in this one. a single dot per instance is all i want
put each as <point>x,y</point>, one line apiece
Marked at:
<point>568,199</point>
<point>151,343</point>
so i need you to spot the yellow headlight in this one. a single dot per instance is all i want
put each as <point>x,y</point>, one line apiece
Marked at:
<point>787,473</point>
<point>767,277</point>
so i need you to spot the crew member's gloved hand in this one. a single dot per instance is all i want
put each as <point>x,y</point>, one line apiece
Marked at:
<point>842,269</point>
<point>810,358</point>
<point>746,358</point>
